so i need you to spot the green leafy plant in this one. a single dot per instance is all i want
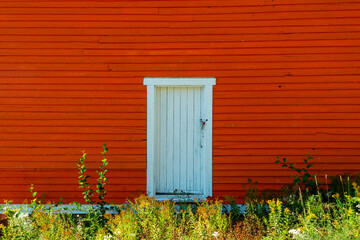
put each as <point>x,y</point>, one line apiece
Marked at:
<point>83,179</point>
<point>255,202</point>
<point>95,218</point>
<point>146,218</point>
<point>235,211</point>
<point>343,184</point>
<point>288,216</point>
<point>34,201</point>
<point>278,221</point>
<point>101,181</point>
<point>302,177</point>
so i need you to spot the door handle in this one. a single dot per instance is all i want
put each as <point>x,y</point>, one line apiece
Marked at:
<point>203,122</point>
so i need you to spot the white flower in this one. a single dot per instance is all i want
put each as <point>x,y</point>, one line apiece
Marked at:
<point>23,219</point>
<point>22,215</point>
<point>216,234</point>
<point>358,206</point>
<point>117,232</point>
<point>79,227</point>
<point>295,232</point>
<point>107,237</point>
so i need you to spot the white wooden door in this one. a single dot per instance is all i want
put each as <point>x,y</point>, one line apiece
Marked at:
<point>179,123</point>
<point>179,137</point>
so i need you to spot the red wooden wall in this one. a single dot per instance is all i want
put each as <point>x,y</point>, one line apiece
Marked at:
<point>71,72</point>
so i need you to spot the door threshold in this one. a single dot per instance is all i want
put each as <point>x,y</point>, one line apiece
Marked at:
<point>180,197</point>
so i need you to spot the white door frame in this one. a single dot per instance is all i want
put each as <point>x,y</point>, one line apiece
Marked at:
<point>207,83</point>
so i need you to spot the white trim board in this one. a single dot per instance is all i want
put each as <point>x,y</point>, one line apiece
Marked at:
<point>207,84</point>
<point>179,81</point>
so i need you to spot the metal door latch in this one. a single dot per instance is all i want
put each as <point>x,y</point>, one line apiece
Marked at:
<point>203,122</point>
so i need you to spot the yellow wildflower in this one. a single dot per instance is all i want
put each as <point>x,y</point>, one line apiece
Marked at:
<point>310,215</point>
<point>336,195</point>
<point>350,211</point>
<point>286,211</point>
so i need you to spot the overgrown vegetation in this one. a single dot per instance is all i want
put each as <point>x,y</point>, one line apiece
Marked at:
<point>305,209</point>
<point>95,218</point>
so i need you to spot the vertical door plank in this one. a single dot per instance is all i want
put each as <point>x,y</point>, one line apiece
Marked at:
<point>207,151</point>
<point>170,140</point>
<point>190,141</point>
<point>157,138</point>
<point>151,141</point>
<point>201,156</point>
<point>197,133</point>
<point>183,137</point>
<point>177,140</point>
<point>163,136</point>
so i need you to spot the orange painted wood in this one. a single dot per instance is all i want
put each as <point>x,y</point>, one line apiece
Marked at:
<point>130,143</point>
<point>343,78</point>
<point>307,58</point>
<point>289,123</point>
<point>73,190</point>
<point>77,102</point>
<point>286,130</point>
<point>28,173</point>
<point>99,109</point>
<point>106,130</point>
<point>286,151</point>
<point>98,15</point>
<point>200,38</point>
<point>173,24</point>
<point>155,10</point>
<point>181,45</point>
<point>53,123</point>
<point>171,3</point>
<point>71,79</point>
<point>188,73</point>
<point>231,66</point>
<point>175,31</point>
<point>139,55</point>
<point>92,156</point>
<point>66,164</point>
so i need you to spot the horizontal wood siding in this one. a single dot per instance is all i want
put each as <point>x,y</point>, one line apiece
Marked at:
<point>71,77</point>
